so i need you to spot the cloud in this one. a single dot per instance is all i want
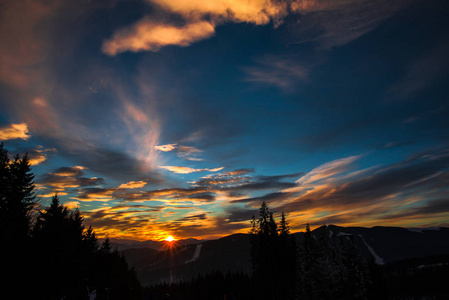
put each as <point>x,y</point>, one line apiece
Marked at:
<point>67,178</point>
<point>147,35</point>
<point>259,12</point>
<point>280,72</point>
<point>339,22</point>
<point>189,153</point>
<point>328,170</point>
<point>96,194</point>
<point>188,170</point>
<point>201,18</point>
<point>14,131</point>
<point>133,185</point>
<point>39,155</point>
<point>21,48</point>
<point>166,148</point>
<point>413,189</point>
<point>422,72</point>
<point>239,172</point>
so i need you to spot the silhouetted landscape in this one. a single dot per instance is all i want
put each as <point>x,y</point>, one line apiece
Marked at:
<point>53,256</point>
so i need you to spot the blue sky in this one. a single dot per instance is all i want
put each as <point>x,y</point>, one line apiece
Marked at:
<point>159,117</point>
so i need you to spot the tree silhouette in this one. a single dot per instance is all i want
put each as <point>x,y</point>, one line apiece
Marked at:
<point>273,256</point>
<point>17,200</point>
<point>287,258</point>
<point>56,257</point>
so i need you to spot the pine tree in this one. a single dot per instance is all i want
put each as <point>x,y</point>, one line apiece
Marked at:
<point>58,236</point>
<point>106,246</point>
<point>273,254</point>
<point>287,261</point>
<point>17,200</point>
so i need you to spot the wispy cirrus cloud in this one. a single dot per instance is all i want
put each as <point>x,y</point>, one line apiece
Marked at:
<point>422,72</point>
<point>409,191</point>
<point>188,170</point>
<point>185,152</point>
<point>14,131</point>
<point>277,71</point>
<point>339,22</point>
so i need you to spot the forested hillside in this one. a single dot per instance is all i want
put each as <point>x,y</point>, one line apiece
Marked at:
<point>49,254</point>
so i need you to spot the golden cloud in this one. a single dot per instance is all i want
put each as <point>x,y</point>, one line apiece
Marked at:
<point>166,148</point>
<point>147,35</point>
<point>132,185</point>
<point>14,131</point>
<point>251,11</point>
<point>187,170</point>
<point>39,155</point>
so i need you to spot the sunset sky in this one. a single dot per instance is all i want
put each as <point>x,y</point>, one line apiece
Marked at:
<point>179,117</point>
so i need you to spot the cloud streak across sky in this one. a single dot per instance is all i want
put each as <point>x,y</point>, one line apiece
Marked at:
<point>180,117</point>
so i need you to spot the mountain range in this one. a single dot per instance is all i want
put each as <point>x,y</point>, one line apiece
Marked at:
<point>157,262</point>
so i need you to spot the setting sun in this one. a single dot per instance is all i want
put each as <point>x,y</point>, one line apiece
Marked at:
<point>170,239</point>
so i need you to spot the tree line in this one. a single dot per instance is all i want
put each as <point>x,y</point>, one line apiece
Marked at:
<point>325,266</point>
<point>48,253</point>
<point>321,266</point>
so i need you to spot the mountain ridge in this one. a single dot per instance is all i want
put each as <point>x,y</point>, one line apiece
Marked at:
<point>231,253</point>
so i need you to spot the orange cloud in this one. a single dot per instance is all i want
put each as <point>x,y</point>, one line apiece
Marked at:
<point>187,170</point>
<point>147,35</point>
<point>14,131</point>
<point>132,185</point>
<point>39,155</point>
<point>251,11</point>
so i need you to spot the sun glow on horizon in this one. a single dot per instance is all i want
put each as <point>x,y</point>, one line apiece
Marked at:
<point>170,239</point>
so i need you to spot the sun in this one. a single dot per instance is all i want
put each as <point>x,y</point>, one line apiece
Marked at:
<point>169,239</point>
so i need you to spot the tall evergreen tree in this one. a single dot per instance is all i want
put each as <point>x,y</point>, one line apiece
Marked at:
<point>287,261</point>
<point>273,255</point>
<point>58,233</point>
<point>17,200</point>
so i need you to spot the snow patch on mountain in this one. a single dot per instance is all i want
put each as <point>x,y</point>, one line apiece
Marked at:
<point>379,260</point>
<point>343,233</point>
<point>196,255</point>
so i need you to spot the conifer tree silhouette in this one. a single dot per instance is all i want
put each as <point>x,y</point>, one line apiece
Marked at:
<point>273,256</point>
<point>17,200</point>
